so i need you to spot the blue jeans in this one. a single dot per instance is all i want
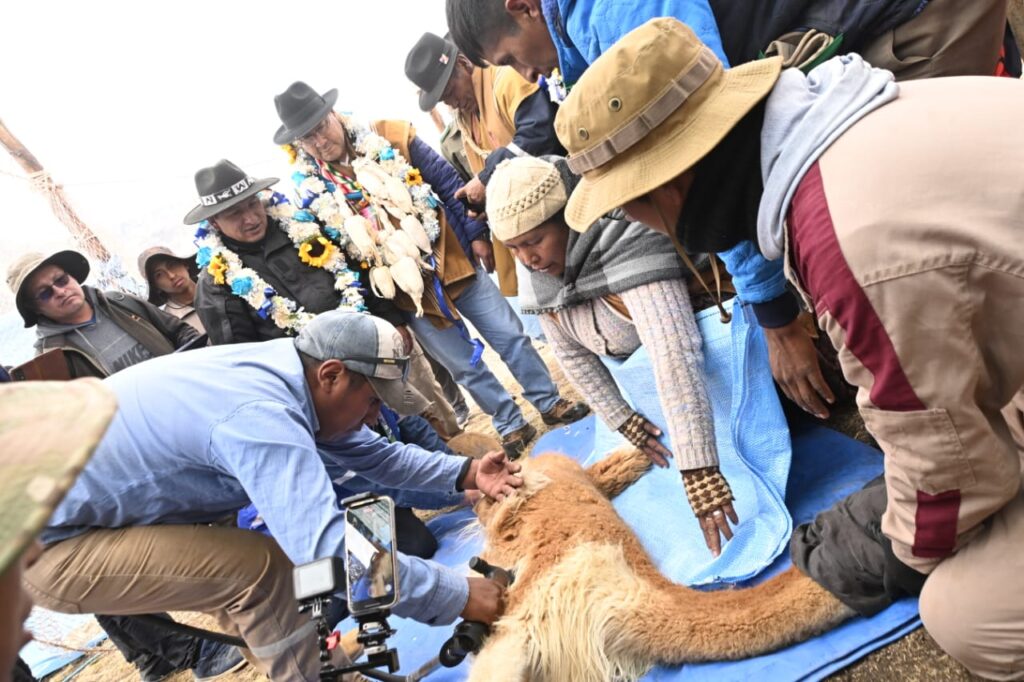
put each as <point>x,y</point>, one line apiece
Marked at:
<point>482,304</point>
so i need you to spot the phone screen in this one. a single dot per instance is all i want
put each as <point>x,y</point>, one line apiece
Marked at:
<point>370,563</point>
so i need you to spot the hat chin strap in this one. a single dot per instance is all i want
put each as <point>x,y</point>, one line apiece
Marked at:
<point>724,315</point>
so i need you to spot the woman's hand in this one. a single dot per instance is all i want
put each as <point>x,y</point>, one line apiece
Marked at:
<point>644,436</point>
<point>711,500</point>
<point>715,526</point>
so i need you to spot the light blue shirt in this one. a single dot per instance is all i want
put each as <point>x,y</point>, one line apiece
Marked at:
<point>200,434</point>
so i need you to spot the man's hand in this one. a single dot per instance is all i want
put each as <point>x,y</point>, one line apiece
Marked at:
<point>471,497</point>
<point>474,191</point>
<point>484,253</point>
<point>406,337</point>
<point>494,475</point>
<point>486,601</point>
<point>794,363</point>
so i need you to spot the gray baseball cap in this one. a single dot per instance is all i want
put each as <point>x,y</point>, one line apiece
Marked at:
<point>369,346</point>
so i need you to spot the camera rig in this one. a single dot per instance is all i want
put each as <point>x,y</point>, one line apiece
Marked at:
<point>374,631</point>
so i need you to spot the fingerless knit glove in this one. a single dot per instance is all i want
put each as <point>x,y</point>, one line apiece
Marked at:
<point>706,489</point>
<point>633,430</point>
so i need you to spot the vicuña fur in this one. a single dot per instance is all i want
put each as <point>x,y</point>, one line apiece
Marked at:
<point>588,604</point>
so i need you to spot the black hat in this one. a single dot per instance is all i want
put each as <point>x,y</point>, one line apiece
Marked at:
<point>300,110</point>
<point>220,187</point>
<point>429,66</point>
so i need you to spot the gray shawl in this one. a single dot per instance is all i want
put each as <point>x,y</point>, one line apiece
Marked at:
<point>613,256</point>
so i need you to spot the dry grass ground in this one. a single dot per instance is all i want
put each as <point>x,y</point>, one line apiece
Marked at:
<point>914,658</point>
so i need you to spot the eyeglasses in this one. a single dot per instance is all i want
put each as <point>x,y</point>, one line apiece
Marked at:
<point>60,283</point>
<point>319,131</point>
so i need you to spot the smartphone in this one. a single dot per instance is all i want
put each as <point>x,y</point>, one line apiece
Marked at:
<point>371,565</point>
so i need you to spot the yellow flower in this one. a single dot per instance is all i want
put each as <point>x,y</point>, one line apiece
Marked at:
<point>413,177</point>
<point>316,252</point>
<point>290,151</point>
<point>217,268</point>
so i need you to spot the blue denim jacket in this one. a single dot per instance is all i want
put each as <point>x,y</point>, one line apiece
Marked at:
<point>583,30</point>
<point>199,435</point>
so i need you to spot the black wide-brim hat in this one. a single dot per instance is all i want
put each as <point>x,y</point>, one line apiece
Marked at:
<point>300,109</point>
<point>429,66</point>
<point>220,187</point>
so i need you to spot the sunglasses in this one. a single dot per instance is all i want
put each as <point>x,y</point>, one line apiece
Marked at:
<point>47,293</point>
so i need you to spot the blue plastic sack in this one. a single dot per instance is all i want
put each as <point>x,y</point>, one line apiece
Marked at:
<point>754,453</point>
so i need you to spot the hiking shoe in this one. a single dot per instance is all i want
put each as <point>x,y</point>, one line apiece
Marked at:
<point>217,660</point>
<point>565,412</point>
<point>514,442</point>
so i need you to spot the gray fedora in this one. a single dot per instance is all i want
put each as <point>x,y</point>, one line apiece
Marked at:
<point>429,66</point>
<point>220,187</point>
<point>300,109</point>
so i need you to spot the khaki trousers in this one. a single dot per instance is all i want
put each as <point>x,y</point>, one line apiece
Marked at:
<point>907,239</point>
<point>970,603</point>
<point>947,38</point>
<point>440,414</point>
<point>240,577</point>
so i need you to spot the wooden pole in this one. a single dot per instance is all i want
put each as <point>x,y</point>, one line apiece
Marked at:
<point>41,180</point>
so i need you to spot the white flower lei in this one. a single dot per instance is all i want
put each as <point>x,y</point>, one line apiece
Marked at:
<point>325,199</point>
<point>247,284</point>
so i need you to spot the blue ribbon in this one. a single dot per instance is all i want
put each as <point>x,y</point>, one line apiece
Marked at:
<point>478,346</point>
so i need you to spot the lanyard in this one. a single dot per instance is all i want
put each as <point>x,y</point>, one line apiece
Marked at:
<point>478,346</point>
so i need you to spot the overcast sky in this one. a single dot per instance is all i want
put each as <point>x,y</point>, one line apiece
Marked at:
<point>123,101</point>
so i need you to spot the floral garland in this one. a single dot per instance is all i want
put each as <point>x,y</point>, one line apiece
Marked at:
<point>316,247</point>
<point>556,87</point>
<point>325,199</point>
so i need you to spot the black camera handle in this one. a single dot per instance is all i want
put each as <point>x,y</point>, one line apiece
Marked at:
<point>469,635</point>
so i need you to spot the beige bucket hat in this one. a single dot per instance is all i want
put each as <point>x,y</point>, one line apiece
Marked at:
<point>72,262</point>
<point>48,431</point>
<point>157,297</point>
<point>647,110</point>
<point>522,194</point>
